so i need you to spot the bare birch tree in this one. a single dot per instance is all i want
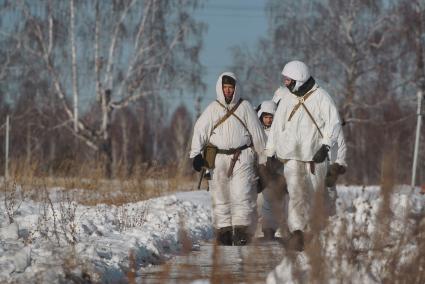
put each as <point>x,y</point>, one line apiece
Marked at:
<point>412,27</point>
<point>115,52</point>
<point>180,130</point>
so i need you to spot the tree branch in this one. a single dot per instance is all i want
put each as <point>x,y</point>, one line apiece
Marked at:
<point>108,74</point>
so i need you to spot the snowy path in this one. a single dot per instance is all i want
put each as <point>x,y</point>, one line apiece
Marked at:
<point>249,264</point>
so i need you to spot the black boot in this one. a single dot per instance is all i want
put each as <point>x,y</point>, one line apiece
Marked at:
<point>268,234</point>
<point>296,242</point>
<point>241,236</point>
<point>224,236</point>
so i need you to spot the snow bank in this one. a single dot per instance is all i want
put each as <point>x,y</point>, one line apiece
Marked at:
<point>56,240</point>
<point>367,241</point>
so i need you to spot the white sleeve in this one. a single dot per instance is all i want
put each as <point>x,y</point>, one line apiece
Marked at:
<point>201,132</point>
<point>257,132</point>
<point>278,95</point>
<point>342,150</point>
<point>332,121</point>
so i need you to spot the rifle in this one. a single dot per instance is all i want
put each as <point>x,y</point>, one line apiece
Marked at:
<point>200,178</point>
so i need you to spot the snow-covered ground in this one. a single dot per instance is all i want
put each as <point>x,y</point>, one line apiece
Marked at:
<point>371,239</point>
<point>54,239</point>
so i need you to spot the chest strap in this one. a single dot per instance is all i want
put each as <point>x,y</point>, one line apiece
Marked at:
<point>227,115</point>
<point>301,101</point>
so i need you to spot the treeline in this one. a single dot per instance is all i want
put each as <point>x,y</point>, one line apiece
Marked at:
<point>143,143</point>
<point>369,55</point>
<point>83,80</point>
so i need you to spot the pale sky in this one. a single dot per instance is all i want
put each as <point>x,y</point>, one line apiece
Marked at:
<point>230,23</point>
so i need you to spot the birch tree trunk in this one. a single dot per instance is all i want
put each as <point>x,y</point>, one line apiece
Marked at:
<point>28,147</point>
<point>125,144</point>
<point>106,141</point>
<point>74,63</point>
<point>52,155</point>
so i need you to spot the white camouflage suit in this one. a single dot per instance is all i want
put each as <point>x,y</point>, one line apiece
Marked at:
<point>337,154</point>
<point>270,200</point>
<point>296,141</point>
<point>279,94</point>
<point>234,198</point>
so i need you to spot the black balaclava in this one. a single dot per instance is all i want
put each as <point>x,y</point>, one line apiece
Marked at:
<point>304,88</point>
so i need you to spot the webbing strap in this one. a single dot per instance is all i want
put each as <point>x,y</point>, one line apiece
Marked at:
<point>301,101</point>
<point>311,116</point>
<point>238,118</point>
<point>232,151</point>
<point>227,115</point>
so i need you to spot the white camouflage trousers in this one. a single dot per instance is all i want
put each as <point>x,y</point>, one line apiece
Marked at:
<point>234,198</point>
<point>303,187</point>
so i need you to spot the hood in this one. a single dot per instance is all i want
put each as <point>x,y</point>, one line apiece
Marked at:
<point>298,71</point>
<point>268,107</point>
<point>219,90</point>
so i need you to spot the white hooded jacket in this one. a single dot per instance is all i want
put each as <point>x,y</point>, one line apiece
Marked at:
<point>231,133</point>
<point>267,107</point>
<point>299,138</point>
<point>279,94</point>
<point>338,151</point>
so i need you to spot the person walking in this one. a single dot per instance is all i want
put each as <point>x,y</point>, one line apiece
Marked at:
<point>305,127</point>
<point>229,141</point>
<point>271,200</point>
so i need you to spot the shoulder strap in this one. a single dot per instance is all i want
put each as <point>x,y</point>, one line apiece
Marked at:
<point>237,117</point>
<point>225,117</point>
<point>312,118</point>
<point>301,102</point>
<point>228,114</point>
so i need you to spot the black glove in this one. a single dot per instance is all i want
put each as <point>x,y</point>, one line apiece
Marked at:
<point>334,171</point>
<point>341,169</point>
<point>260,185</point>
<point>321,154</point>
<point>271,179</point>
<point>273,164</point>
<point>198,163</point>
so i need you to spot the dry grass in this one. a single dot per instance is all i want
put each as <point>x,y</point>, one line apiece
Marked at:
<point>90,187</point>
<point>386,256</point>
<point>131,273</point>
